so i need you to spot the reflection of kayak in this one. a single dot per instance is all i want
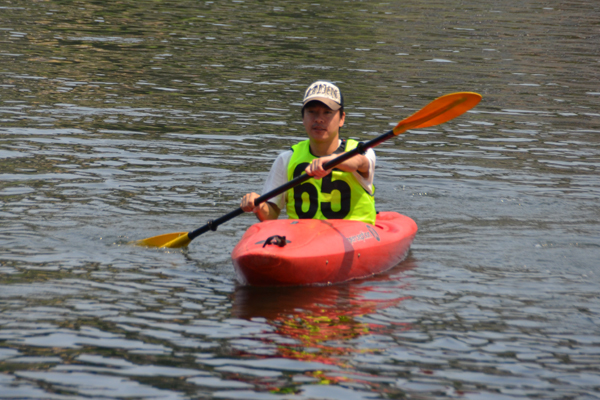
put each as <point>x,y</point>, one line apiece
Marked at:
<point>304,252</point>
<point>347,300</point>
<point>320,320</point>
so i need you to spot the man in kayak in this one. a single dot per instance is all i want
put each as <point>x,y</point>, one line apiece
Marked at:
<point>346,192</point>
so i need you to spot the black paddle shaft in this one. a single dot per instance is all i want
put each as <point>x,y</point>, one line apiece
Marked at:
<point>359,149</point>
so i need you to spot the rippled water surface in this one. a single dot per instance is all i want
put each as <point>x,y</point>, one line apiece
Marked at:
<point>124,120</point>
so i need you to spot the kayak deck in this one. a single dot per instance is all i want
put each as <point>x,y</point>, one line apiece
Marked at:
<point>321,252</point>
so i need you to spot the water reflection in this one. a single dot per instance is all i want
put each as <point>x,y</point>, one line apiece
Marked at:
<point>325,327</point>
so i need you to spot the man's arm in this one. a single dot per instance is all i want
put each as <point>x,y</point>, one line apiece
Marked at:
<point>277,176</point>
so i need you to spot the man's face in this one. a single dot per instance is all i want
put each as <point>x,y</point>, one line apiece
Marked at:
<point>322,124</point>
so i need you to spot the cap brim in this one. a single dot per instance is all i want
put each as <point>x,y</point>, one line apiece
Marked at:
<point>328,102</point>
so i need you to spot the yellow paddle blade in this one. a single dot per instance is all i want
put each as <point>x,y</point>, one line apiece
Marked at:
<point>181,241</point>
<point>171,240</point>
<point>439,111</point>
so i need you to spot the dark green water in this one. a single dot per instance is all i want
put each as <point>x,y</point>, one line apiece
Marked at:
<point>123,120</point>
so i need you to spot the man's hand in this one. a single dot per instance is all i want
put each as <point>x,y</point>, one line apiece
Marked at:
<point>247,203</point>
<point>358,163</point>
<point>263,211</point>
<point>315,168</point>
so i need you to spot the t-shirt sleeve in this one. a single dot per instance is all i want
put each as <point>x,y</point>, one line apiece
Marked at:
<point>277,177</point>
<point>367,182</point>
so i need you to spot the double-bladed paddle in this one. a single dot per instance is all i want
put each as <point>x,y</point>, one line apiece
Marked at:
<point>437,112</point>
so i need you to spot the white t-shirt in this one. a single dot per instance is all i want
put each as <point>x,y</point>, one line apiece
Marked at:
<point>278,176</point>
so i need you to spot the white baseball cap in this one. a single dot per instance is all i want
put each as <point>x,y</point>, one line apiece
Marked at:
<point>325,92</point>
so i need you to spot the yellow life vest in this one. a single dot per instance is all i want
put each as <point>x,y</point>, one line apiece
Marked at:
<point>339,195</point>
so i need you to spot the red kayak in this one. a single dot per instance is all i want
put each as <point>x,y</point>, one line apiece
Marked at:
<point>290,252</point>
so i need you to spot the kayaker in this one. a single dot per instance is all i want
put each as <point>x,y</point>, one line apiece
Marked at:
<point>345,193</point>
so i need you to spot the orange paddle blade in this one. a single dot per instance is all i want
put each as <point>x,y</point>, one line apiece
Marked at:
<point>439,111</point>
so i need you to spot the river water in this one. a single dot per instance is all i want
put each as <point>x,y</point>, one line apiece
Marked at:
<point>124,120</point>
